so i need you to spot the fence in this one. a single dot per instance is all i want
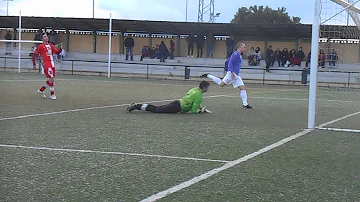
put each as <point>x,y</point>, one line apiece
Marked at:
<point>287,76</point>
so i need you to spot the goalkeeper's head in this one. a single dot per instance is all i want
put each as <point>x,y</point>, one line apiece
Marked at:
<point>204,86</point>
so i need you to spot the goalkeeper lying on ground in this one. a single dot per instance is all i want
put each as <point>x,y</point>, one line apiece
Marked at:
<point>190,102</point>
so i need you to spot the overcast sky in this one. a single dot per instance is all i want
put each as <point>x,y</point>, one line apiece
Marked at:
<point>169,10</point>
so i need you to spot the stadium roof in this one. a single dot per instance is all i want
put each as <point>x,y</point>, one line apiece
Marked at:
<point>270,31</point>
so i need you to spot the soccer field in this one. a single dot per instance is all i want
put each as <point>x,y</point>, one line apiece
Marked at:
<point>85,147</point>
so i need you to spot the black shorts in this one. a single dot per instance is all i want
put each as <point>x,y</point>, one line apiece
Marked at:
<point>172,107</point>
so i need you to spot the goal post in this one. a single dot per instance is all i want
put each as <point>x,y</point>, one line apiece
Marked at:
<point>335,34</point>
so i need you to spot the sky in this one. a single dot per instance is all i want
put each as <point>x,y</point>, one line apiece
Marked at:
<point>167,10</point>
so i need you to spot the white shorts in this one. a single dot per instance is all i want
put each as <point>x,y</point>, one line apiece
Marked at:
<point>236,82</point>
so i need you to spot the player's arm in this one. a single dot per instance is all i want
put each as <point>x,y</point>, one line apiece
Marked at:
<point>36,52</point>
<point>197,104</point>
<point>55,50</point>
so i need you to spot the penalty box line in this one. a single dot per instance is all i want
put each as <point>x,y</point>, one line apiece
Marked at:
<point>233,163</point>
<point>111,152</point>
<point>110,106</point>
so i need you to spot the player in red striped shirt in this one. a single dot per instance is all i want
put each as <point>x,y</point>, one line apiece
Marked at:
<point>46,51</point>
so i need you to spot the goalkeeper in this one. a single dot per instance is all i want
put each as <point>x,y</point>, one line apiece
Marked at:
<point>190,102</point>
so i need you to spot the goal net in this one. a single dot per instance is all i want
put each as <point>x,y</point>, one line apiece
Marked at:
<point>335,50</point>
<point>339,35</point>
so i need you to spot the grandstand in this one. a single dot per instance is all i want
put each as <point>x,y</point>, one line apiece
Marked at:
<point>83,43</point>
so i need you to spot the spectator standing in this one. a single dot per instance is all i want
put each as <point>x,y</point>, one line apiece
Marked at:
<point>333,57</point>
<point>8,36</point>
<point>129,44</point>
<point>229,46</point>
<point>163,51</point>
<point>191,40</point>
<point>268,58</point>
<point>210,41</point>
<point>300,55</point>
<point>200,40</point>
<point>172,49</point>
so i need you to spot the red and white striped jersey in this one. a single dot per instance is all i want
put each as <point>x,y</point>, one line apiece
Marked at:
<point>46,52</point>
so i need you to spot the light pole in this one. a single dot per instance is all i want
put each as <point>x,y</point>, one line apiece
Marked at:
<point>186,10</point>
<point>7,6</point>
<point>215,16</point>
<point>93,8</point>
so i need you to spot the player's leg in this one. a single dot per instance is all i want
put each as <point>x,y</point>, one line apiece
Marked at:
<point>240,84</point>
<point>225,81</point>
<point>50,73</point>
<point>173,107</point>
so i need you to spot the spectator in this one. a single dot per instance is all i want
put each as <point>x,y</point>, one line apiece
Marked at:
<point>210,40</point>
<point>292,57</point>
<point>200,40</point>
<point>322,58</point>
<point>191,40</point>
<point>268,58</point>
<point>37,37</point>
<point>257,55</point>
<point>229,46</point>
<point>157,51</point>
<point>172,49</point>
<point>145,52</point>
<point>284,56</point>
<point>333,57</point>
<point>251,56</point>
<point>154,53</point>
<point>277,57</point>
<point>163,51</point>
<point>129,44</point>
<point>308,59</point>
<point>53,37</point>
<point>8,36</point>
<point>300,55</point>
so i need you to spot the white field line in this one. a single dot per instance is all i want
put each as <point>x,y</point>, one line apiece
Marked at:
<point>91,108</point>
<point>231,164</point>
<point>297,99</point>
<point>138,82</point>
<point>339,119</point>
<point>32,80</point>
<point>340,129</point>
<point>103,107</point>
<point>112,152</point>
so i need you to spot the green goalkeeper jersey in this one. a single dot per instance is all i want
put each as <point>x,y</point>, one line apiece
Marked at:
<point>191,101</point>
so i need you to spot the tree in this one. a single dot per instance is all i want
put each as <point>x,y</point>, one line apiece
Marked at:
<point>260,14</point>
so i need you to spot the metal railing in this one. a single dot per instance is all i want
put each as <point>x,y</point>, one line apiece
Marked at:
<point>351,75</point>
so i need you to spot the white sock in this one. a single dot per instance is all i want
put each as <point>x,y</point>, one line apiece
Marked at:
<point>143,107</point>
<point>214,79</point>
<point>243,96</point>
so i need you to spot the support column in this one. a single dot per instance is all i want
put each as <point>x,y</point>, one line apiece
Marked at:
<point>67,40</point>
<point>177,45</point>
<point>297,44</point>
<point>94,41</point>
<point>150,41</point>
<point>122,47</point>
<point>265,45</point>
